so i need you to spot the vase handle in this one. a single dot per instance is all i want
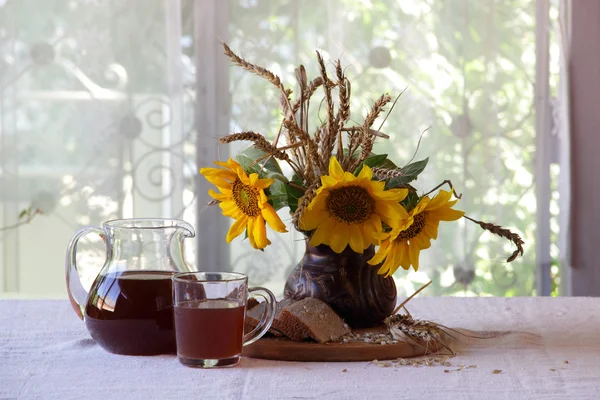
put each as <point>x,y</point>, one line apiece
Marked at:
<point>77,293</point>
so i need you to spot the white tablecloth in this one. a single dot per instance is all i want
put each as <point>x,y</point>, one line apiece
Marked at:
<point>46,353</point>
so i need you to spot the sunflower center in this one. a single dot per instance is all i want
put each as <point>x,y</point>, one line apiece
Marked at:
<point>351,204</point>
<point>416,227</point>
<point>246,198</point>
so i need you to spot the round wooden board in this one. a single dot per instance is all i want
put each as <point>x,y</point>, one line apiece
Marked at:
<point>288,350</point>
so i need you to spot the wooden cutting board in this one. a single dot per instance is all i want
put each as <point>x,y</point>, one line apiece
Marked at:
<point>288,350</point>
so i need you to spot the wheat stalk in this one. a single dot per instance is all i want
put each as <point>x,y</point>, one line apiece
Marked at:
<point>269,76</point>
<point>313,151</point>
<point>331,132</point>
<point>343,108</point>
<point>502,232</point>
<point>383,174</point>
<point>404,326</point>
<point>255,69</point>
<point>304,201</point>
<point>263,144</point>
<point>367,138</point>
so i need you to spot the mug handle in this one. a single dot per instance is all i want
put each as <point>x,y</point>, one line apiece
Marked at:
<point>77,293</point>
<point>267,318</point>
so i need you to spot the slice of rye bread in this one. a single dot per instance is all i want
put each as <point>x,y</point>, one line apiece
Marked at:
<point>253,316</point>
<point>312,318</point>
<point>252,302</point>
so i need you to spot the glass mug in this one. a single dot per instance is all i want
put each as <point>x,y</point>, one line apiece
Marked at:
<point>209,316</point>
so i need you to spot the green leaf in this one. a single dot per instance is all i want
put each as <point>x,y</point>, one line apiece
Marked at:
<point>410,173</point>
<point>247,159</point>
<point>411,200</point>
<point>372,161</point>
<point>278,194</point>
<point>293,193</point>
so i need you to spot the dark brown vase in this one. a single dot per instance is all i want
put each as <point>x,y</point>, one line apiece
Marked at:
<point>346,282</point>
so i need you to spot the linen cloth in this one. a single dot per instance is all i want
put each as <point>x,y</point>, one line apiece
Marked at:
<point>46,353</point>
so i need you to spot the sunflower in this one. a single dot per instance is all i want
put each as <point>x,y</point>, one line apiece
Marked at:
<point>349,210</point>
<point>243,198</point>
<point>402,245</point>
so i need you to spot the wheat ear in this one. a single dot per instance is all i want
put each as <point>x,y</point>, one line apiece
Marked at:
<point>502,232</point>
<point>330,136</point>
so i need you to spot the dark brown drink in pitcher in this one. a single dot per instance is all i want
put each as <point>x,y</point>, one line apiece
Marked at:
<point>132,312</point>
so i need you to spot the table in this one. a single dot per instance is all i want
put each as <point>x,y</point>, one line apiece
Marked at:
<point>46,353</point>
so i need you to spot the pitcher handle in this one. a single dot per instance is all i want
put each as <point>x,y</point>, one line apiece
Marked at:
<point>267,318</point>
<point>77,293</point>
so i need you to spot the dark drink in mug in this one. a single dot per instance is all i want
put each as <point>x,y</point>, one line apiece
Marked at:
<point>210,329</point>
<point>209,313</point>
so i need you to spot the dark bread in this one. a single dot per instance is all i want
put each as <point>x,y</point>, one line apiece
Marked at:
<point>311,318</point>
<point>253,316</point>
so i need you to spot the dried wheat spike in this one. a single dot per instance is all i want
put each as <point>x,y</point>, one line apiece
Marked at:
<point>310,91</point>
<point>313,152</point>
<point>367,138</point>
<point>502,232</point>
<point>331,133</point>
<point>383,174</point>
<point>305,200</point>
<point>255,69</point>
<point>343,108</point>
<point>405,327</point>
<point>259,141</point>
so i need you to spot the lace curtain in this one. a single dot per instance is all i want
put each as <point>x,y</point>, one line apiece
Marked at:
<point>104,114</point>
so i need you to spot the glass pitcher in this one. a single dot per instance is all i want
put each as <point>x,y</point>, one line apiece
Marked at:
<point>129,307</point>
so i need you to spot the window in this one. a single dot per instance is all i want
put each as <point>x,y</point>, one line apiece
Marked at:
<point>100,100</point>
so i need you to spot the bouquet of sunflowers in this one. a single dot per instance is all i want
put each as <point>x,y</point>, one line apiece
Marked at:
<point>340,193</point>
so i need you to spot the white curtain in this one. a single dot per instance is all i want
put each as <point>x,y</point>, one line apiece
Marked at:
<point>109,107</point>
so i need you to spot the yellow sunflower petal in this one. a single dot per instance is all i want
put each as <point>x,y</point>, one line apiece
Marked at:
<point>310,219</point>
<point>219,172</point>
<point>264,183</point>
<point>327,181</point>
<point>348,177</point>
<point>335,169</point>
<point>448,214</point>
<point>383,270</point>
<point>389,265</point>
<point>376,186</point>
<point>218,181</point>
<point>396,195</point>
<point>322,232</point>
<point>230,209</point>
<point>237,228</point>
<point>258,231</point>
<point>253,179</point>
<point>318,203</point>
<point>269,214</point>
<point>263,199</point>
<point>250,234</point>
<point>365,173</point>
<point>339,237</point>
<point>402,257</point>
<point>422,241</point>
<point>421,206</point>
<point>431,228</point>
<point>413,253</point>
<point>381,254</point>
<point>391,213</point>
<point>440,199</point>
<point>219,196</point>
<point>356,239</point>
